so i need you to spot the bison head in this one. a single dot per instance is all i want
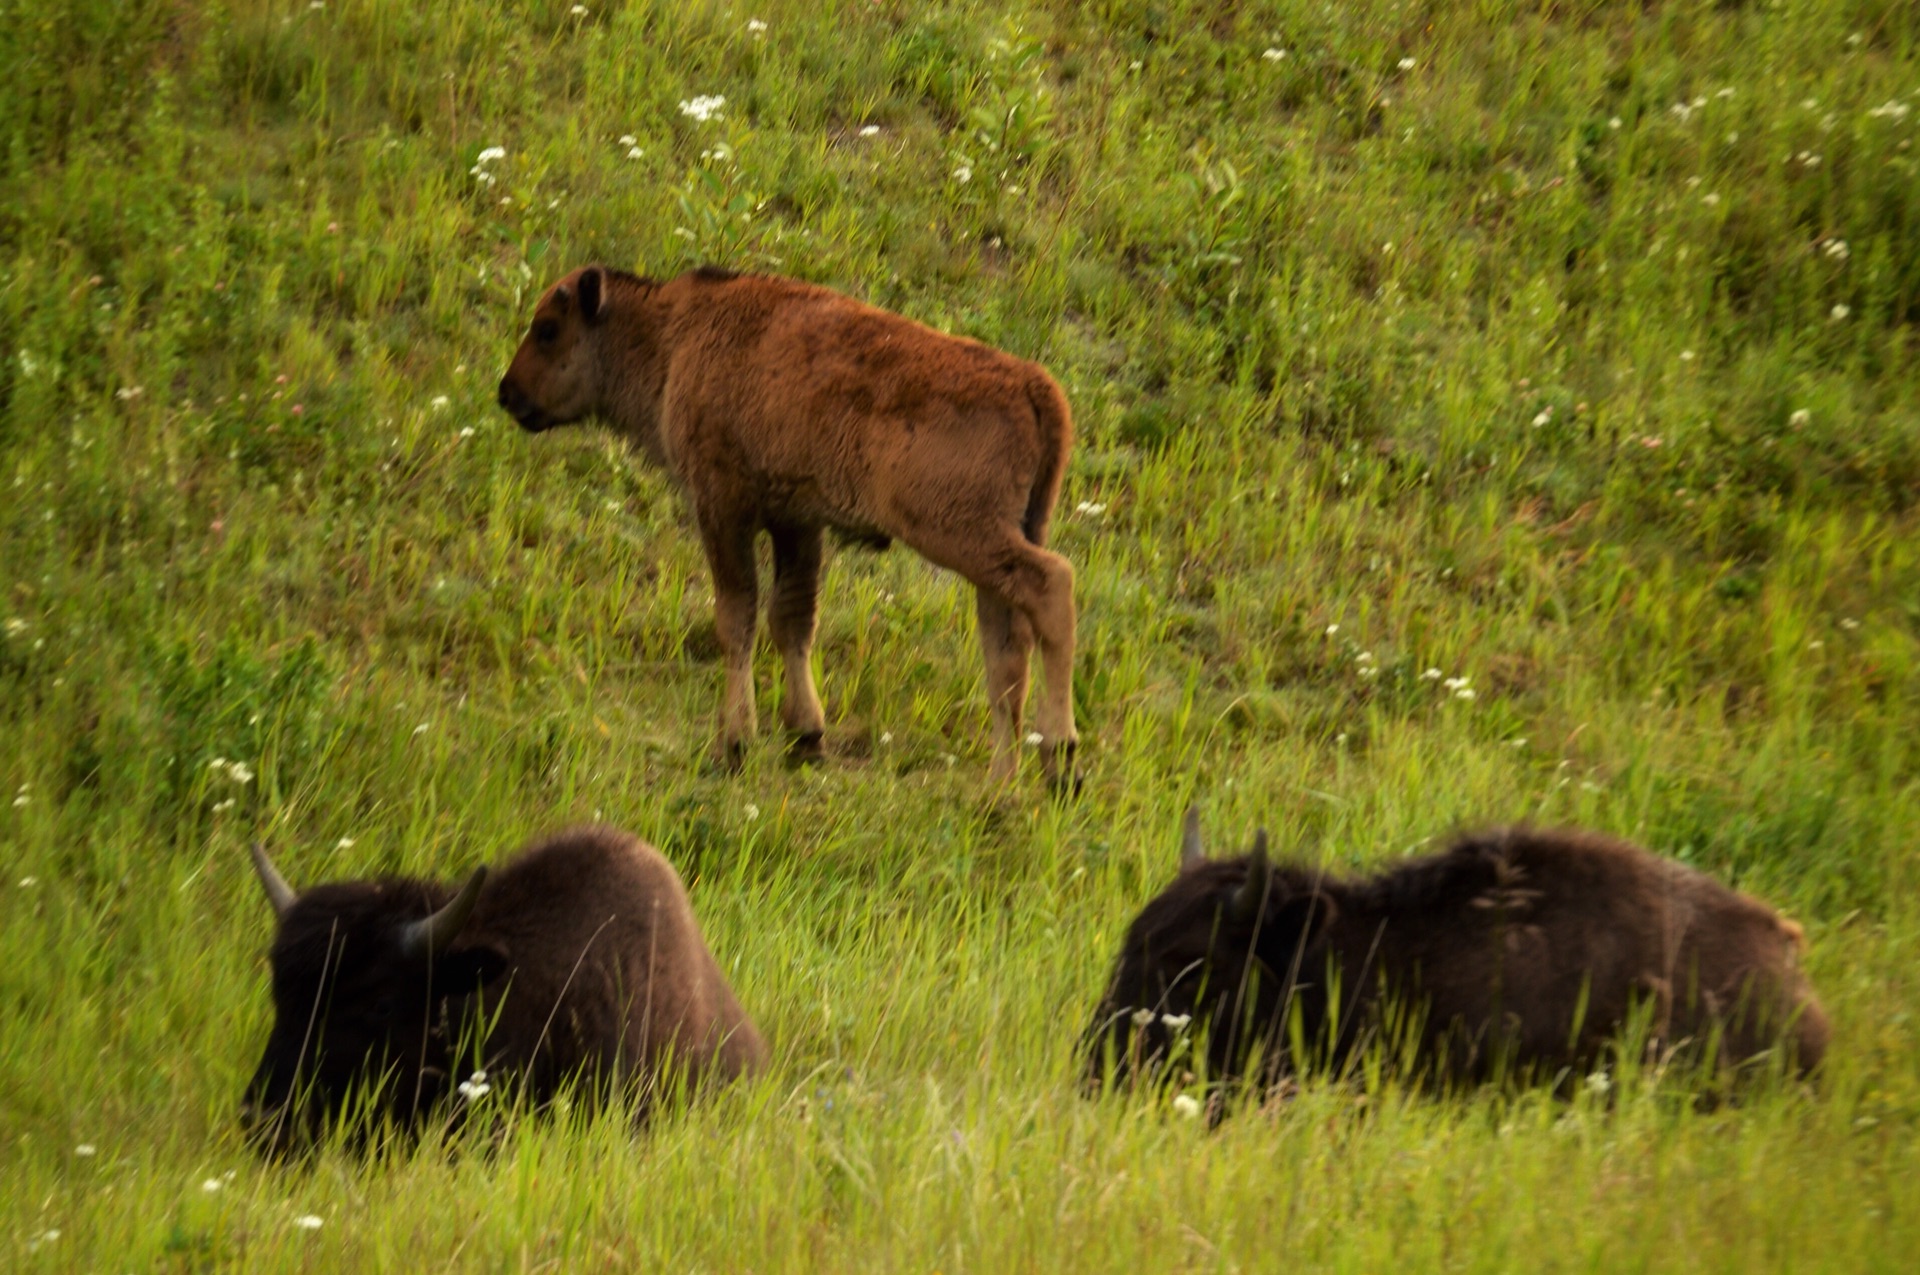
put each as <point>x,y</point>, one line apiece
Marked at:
<point>362,976</point>
<point>1208,970</point>
<point>554,378</point>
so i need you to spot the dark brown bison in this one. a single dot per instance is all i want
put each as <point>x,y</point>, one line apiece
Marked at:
<point>783,406</point>
<point>577,960</point>
<point>1516,953</point>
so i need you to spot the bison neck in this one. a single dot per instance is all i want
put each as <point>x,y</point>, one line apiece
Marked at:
<point>633,353</point>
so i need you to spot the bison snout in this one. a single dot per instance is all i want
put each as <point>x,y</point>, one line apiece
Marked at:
<point>518,406</point>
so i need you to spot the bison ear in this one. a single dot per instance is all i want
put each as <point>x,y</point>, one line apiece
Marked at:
<point>468,969</point>
<point>1293,927</point>
<point>1192,852</point>
<point>593,294</point>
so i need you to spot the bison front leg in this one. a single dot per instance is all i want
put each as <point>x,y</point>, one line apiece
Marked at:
<point>1043,589</point>
<point>1006,640</point>
<point>729,545</point>
<point>792,617</point>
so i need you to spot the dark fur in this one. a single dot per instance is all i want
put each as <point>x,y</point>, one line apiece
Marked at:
<point>582,951</point>
<point>780,406</point>
<point>1516,952</point>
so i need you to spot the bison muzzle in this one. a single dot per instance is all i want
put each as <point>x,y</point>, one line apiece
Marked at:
<point>1516,954</point>
<point>781,406</point>
<point>578,962</point>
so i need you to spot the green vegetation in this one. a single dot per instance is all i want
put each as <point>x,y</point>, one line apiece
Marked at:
<point>1567,347</point>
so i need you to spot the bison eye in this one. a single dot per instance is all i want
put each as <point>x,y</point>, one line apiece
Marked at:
<point>545,331</point>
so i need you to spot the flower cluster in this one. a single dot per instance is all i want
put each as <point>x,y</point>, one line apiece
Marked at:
<point>703,108</point>
<point>480,172</point>
<point>475,1087</point>
<point>236,771</point>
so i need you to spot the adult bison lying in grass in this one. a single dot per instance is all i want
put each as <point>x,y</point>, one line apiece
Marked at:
<point>578,960</point>
<point>778,405</point>
<point>1516,953</point>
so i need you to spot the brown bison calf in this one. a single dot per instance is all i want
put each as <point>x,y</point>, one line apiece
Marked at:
<point>776,404</point>
<point>1515,953</point>
<point>578,960</point>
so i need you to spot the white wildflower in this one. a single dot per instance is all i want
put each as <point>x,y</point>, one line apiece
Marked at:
<point>1801,416</point>
<point>1710,199</point>
<point>466,431</point>
<point>240,772</point>
<point>1174,1022</point>
<point>15,626</point>
<point>1465,692</point>
<point>634,152</point>
<point>1332,629</point>
<point>1546,414</point>
<point>1839,312</point>
<point>22,801</point>
<point>1187,1105</point>
<point>85,1150</point>
<point>308,1222</point>
<point>1035,739</point>
<point>628,139</point>
<point>703,108</point>
<point>475,1087</point>
<point>228,804</point>
<point>752,811</point>
<point>1142,1017</point>
<point>963,174</point>
<point>421,729</point>
<point>1614,123</point>
<point>27,883</point>
<point>490,154</point>
<point>1835,248</point>
<point>886,737</point>
<point>869,130</point>
<point>127,393</point>
<point>1433,675</point>
<point>345,843</point>
<point>1686,356</point>
<point>439,401</point>
<point>211,1185</point>
<point>1517,743</point>
<point>1271,55</point>
<point>756,27</point>
<point>1893,109</point>
<point>1599,1083</point>
<point>1090,509</point>
<point>1407,64</point>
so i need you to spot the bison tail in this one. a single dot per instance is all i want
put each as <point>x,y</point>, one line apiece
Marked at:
<point>1055,421</point>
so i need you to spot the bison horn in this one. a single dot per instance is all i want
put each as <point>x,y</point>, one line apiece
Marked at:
<point>1247,900</point>
<point>279,893</point>
<point>1191,853</point>
<point>431,935</point>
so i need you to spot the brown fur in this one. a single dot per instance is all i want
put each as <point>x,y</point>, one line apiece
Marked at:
<point>783,406</point>
<point>582,952</point>
<point>1515,952</point>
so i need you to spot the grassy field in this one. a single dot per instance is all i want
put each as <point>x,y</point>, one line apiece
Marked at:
<point>1569,348</point>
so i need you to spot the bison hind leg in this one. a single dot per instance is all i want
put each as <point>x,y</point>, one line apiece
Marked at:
<point>1006,640</point>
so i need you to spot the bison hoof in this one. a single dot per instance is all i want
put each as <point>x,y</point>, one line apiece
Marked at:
<point>729,756</point>
<point>807,749</point>
<point>1063,778</point>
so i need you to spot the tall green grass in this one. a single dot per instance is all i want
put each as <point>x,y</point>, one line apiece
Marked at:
<point>1567,348</point>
